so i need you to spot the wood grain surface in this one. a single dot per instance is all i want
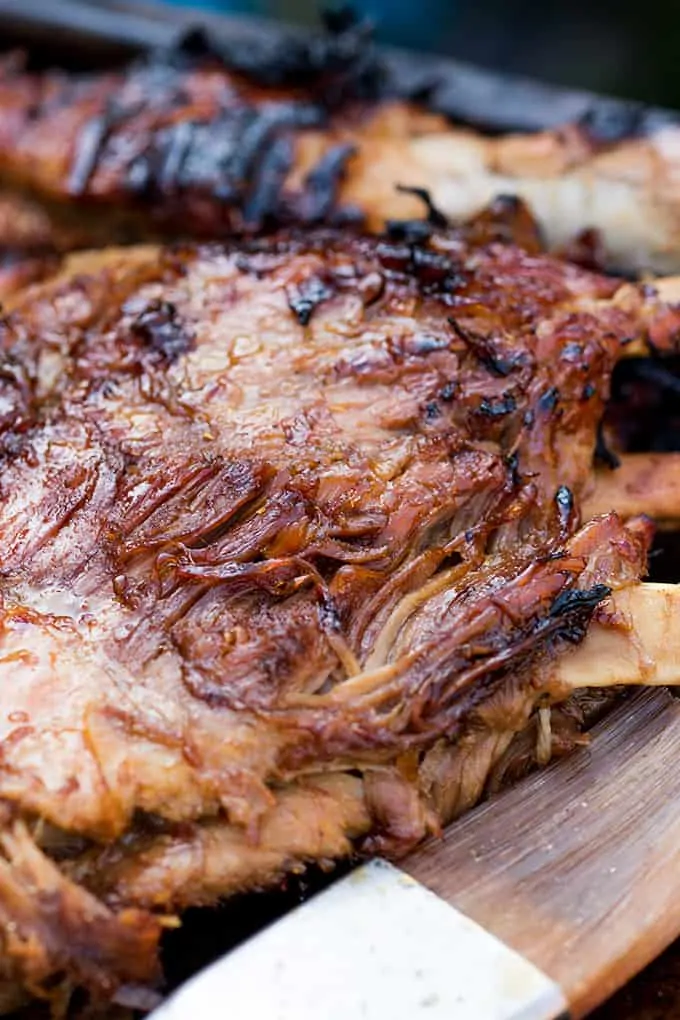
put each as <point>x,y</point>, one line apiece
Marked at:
<point>578,867</point>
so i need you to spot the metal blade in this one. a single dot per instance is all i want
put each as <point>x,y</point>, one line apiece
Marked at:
<point>376,944</point>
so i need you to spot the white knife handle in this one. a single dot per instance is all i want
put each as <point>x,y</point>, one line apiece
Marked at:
<point>376,945</point>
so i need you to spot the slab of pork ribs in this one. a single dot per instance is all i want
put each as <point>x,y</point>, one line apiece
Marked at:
<point>290,543</point>
<point>202,144</point>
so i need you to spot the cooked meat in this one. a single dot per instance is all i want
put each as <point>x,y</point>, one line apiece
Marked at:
<point>30,243</point>
<point>197,147</point>
<point>24,226</point>
<point>26,244</point>
<point>81,935</point>
<point>290,547</point>
<point>18,269</point>
<point>642,483</point>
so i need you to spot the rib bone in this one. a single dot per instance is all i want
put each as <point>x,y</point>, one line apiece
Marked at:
<point>634,639</point>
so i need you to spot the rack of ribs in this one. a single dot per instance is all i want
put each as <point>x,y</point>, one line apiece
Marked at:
<point>294,564</point>
<point>204,144</point>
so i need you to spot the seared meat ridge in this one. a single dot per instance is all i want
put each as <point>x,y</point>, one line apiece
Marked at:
<point>290,548</point>
<point>204,144</point>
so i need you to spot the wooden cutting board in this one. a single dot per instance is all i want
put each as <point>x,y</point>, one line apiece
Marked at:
<point>578,867</point>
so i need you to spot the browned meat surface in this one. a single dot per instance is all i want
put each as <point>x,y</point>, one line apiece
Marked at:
<point>27,240</point>
<point>30,242</point>
<point>18,269</point>
<point>24,226</point>
<point>187,144</point>
<point>289,540</point>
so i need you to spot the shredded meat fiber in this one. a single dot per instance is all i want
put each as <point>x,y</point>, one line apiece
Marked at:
<point>289,536</point>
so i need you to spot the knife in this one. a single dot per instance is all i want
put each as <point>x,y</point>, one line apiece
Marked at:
<point>375,945</point>
<point>539,904</point>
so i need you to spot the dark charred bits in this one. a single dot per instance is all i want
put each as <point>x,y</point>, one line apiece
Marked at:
<point>88,147</point>
<point>161,330</point>
<point>498,408</point>
<point>548,400</point>
<point>410,231</point>
<point>339,62</point>
<point>603,455</point>
<point>303,299</point>
<point>435,217</point>
<point>242,156</point>
<point>259,126</point>
<point>173,161</point>
<point>608,122</point>
<point>512,464</point>
<point>243,152</point>
<point>588,391</point>
<point>91,142</point>
<point>573,609</point>
<point>320,187</point>
<point>483,350</point>
<point>447,392</point>
<point>194,45</point>
<point>564,499</point>
<point>262,203</point>
<point>434,270</point>
<point>575,601</point>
